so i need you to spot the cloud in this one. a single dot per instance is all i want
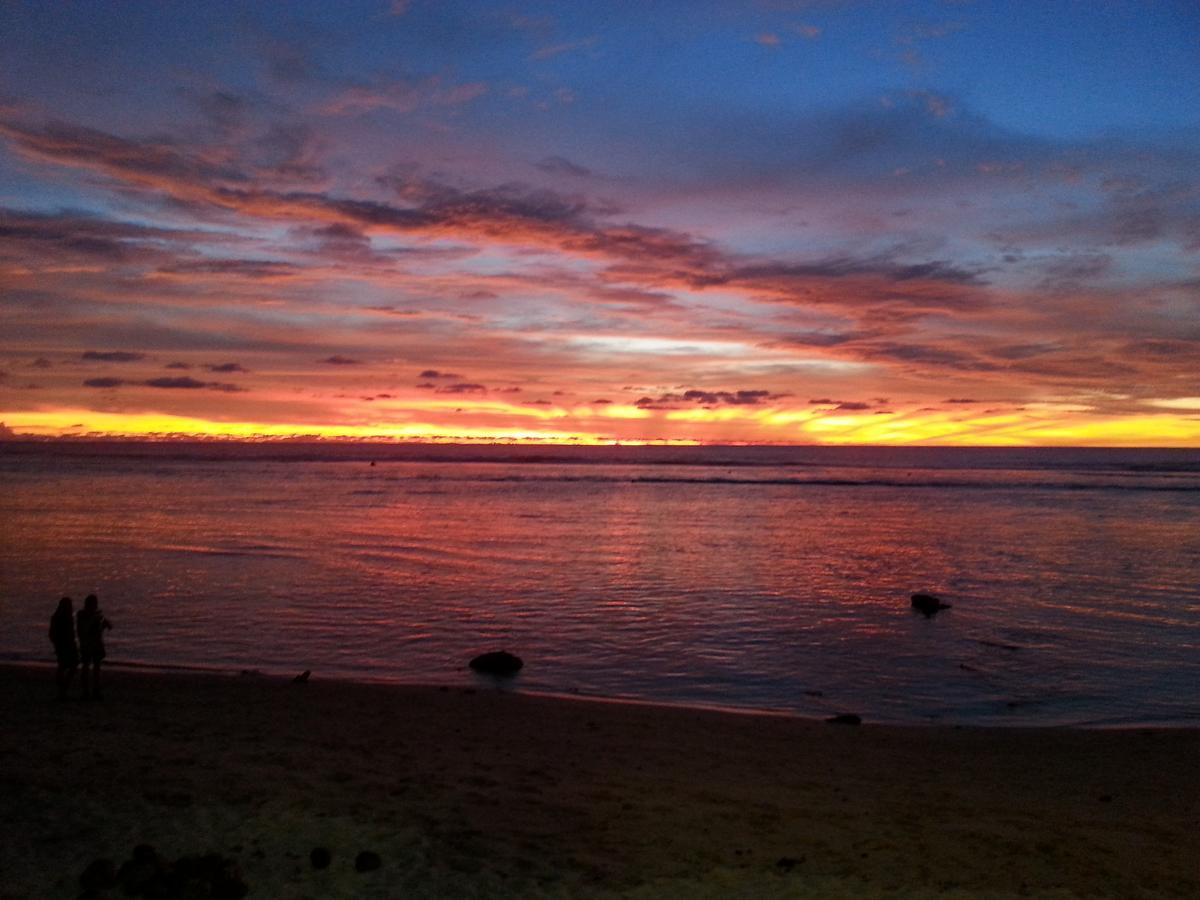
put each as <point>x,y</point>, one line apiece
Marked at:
<point>104,382</point>
<point>177,365</point>
<point>186,383</point>
<point>709,398</point>
<point>514,214</point>
<point>402,96</point>
<point>461,388</point>
<point>338,360</point>
<point>434,373</point>
<point>225,111</point>
<point>226,367</point>
<point>552,50</point>
<point>113,355</point>
<point>558,165</point>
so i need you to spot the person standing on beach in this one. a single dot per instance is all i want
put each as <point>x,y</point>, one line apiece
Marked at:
<point>62,636</point>
<point>91,625</point>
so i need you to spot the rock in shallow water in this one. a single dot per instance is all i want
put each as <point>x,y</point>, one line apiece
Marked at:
<point>497,663</point>
<point>845,719</point>
<point>928,604</point>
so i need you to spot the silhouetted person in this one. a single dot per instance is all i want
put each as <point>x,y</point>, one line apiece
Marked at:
<point>62,636</point>
<point>91,625</point>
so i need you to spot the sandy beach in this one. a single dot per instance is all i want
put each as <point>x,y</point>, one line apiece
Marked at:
<point>487,793</point>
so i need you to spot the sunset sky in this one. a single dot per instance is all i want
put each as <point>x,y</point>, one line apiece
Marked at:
<point>787,221</point>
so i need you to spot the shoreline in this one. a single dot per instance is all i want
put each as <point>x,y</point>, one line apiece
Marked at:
<point>478,682</point>
<point>482,793</point>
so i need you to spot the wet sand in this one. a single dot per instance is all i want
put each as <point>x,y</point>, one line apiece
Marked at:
<point>483,793</point>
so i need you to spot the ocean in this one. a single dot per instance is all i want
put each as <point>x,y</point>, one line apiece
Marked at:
<point>750,578</point>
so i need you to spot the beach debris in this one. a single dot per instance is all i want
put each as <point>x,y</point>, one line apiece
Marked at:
<point>845,719</point>
<point>320,858</point>
<point>367,861</point>
<point>302,678</point>
<point>499,662</point>
<point>146,874</point>
<point>928,604</point>
<point>100,875</point>
<point>192,875</point>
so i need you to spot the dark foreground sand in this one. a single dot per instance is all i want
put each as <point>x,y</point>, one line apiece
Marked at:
<point>489,794</point>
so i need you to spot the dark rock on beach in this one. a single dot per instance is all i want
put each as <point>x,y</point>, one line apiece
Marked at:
<point>320,858</point>
<point>192,875</point>
<point>367,861</point>
<point>497,663</point>
<point>928,604</point>
<point>845,719</point>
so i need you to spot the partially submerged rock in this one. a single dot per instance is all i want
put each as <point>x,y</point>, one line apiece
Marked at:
<point>499,662</point>
<point>928,604</point>
<point>845,719</point>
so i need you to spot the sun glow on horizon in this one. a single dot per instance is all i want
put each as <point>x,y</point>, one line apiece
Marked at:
<point>767,426</point>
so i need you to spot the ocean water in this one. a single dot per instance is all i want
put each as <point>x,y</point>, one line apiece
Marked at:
<point>761,578</point>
